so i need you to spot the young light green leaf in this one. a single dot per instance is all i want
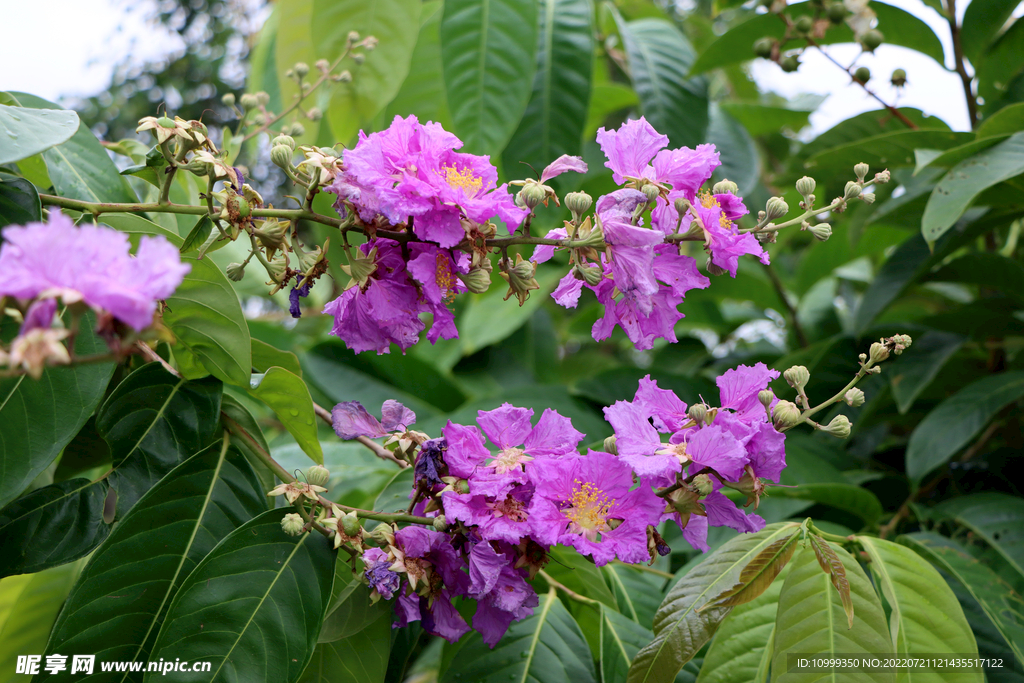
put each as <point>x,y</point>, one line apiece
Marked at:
<point>258,586</point>
<point>759,573</point>
<point>489,54</point>
<point>956,421</point>
<point>289,397</point>
<point>25,132</point>
<point>265,356</point>
<point>925,615</point>
<point>831,565</point>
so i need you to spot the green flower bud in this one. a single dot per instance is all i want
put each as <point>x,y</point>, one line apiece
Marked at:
<point>713,269</point>
<point>882,177</point>
<point>281,155</point>
<point>286,140</point>
<point>532,195</point>
<point>805,186</point>
<point>358,58</point>
<point>383,534</point>
<point>853,190</point>
<point>682,205</point>
<point>477,280</point>
<point>609,445</point>
<point>821,231</point>
<point>235,272</point>
<point>301,69</point>
<point>804,24</point>
<point>839,427</point>
<point>790,64</point>
<point>862,74</point>
<point>763,47</point>
<point>725,187</point>
<point>317,475</point>
<point>263,98</point>
<point>878,352</point>
<point>765,397</point>
<point>292,524</point>
<point>651,192</point>
<point>867,197</point>
<point>861,170</point>
<point>797,377</point>
<point>314,114</point>
<point>592,275</point>
<point>249,101</point>
<point>295,130</point>
<point>854,397</point>
<point>520,278</point>
<point>440,524</point>
<point>898,78</point>
<point>228,99</point>
<point>872,39</point>
<point>836,13</point>
<point>350,524</point>
<point>785,414</point>
<point>702,484</point>
<point>776,208</point>
<point>353,36</point>
<point>462,486</point>
<point>697,412</point>
<point>579,203</point>
<point>344,77</point>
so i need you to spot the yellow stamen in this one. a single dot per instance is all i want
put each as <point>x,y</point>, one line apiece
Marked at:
<point>590,508</point>
<point>463,180</point>
<point>708,201</point>
<point>445,277</point>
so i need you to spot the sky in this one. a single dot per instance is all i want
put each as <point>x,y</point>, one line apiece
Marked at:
<point>69,48</point>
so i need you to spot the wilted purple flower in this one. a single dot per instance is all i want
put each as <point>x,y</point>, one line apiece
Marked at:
<point>296,292</point>
<point>586,502</point>
<point>378,574</point>
<point>502,593</point>
<point>430,462</point>
<point>94,266</point>
<point>435,574</point>
<point>351,420</point>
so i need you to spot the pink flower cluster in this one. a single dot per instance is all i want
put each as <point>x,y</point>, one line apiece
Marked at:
<point>514,488</point>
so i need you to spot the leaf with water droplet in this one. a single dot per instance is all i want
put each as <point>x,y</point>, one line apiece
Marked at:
<point>288,396</point>
<point>30,131</point>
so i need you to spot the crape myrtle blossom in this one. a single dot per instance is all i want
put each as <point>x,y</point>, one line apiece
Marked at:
<point>99,270</point>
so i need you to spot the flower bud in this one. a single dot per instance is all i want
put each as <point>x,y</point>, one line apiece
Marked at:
<point>797,377</point>
<point>235,272</point>
<point>652,192</point>
<point>532,195</point>
<point>228,99</point>
<point>344,77</point>
<point>520,278</point>
<point>272,233</point>
<point>872,39</point>
<point>862,74</point>
<point>785,414</point>
<point>369,43</point>
<point>853,190</point>
<point>702,484</point>
<point>350,524</point>
<point>317,475</point>
<point>898,78</point>
<point>358,58</point>
<point>882,177</point>
<point>878,352</point>
<point>805,185</point>
<point>765,397</point>
<point>854,397</point>
<point>697,412</point>
<point>281,155</point>
<point>292,524</point>
<point>763,47</point>
<point>609,445</point>
<point>900,343</point>
<point>804,24</point>
<point>725,187</point>
<point>839,427</point>
<point>322,65</point>
<point>263,98</point>
<point>477,280</point>
<point>295,130</point>
<point>383,534</point>
<point>861,170</point>
<point>592,275</point>
<point>682,205</point>
<point>821,231</point>
<point>301,69</point>
<point>440,524</point>
<point>249,101</point>
<point>836,13</point>
<point>578,203</point>
<point>776,208</point>
<point>286,140</point>
<point>314,114</point>
<point>867,197</point>
<point>353,36</point>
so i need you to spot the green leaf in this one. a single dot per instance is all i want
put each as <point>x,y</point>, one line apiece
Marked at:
<point>359,658</point>
<point>741,162</point>
<point>581,575</point>
<point>762,119</point>
<point>958,188</point>
<point>422,94</point>
<point>171,529</point>
<point>999,70</point>
<point>198,235</point>
<point>30,131</point>
<point>620,639</point>
<point>479,327</point>
<point>488,49</point>
<point>80,168</point>
<point>679,629</point>
<point>289,397</point>
<point>925,616</point>
<point>956,421</point>
<point>981,22</point>
<point>40,417</point>
<point>913,371</point>
<point>265,356</point>
<point>253,606</point>
<point>395,496</point>
<point>557,111</point>
<point>811,619</point>
<point>607,98</point>
<point>659,58</point>
<point>986,269</point>
<point>396,24</point>
<point>742,649</point>
<point>233,409</point>
<point>1003,606</point>
<point>759,573</point>
<point>853,499</point>
<point>637,593</point>
<point>996,517</point>
<point>887,150</point>
<point>19,202</point>
<point>547,647</point>
<point>29,604</point>
<point>351,610</point>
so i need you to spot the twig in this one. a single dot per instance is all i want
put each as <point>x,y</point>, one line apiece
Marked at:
<point>646,569</point>
<point>801,336</point>
<point>377,449</point>
<point>961,68</point>
<point>565,589</point>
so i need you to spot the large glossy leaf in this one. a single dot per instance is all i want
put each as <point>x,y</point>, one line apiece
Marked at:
<point>1003,606</point>
<point>637,593</point>
<point>479,327</point>
<point>996,517</point>
<point>80,168</point>
<point>659,58</point>
<point>741,162</point>
<point>853,499</point>
<point>965,181</point>
<point>293,42</point>
<point>981,22</point>
<point>423,93</point>
<point>288,395</point>
<point>488,49</point>
<point>917,367</point>
<point>396,24</point>
<point>359,658</point>
<point>553,122</point>
<point>811,620</point>
<point>40,417</point>
<point>986,269</point>
<point>253,606</point>
<point>887,150</point>
<point>579,574</point>
<point>121,597</point>
<point>265,356</point>
<point>547,647</point>
<point>956,421</point>
<point>742,649</point>
<point>925,616</point>
<point>679,629</point>
<point>25,132</point>
<point>19,202</point>
<point>29,604</point>
<point>351,609</point>
<point>619,639</point>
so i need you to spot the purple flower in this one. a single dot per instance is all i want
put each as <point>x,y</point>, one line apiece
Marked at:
<point>98,268</point>
<point>638,443</point>
<point>561,165</point>
<point>724,240</point>
<point>378,574</point>
<point>434,570</point>
<point>436,271</point>
<point>720,511</point>
<point>501,517</point>
<point>351,420</point>
<point>739,388</point>
<point>714,447</point>
<point>502,593</point>
<point>630,248</point>
<point>630,149</point>
<point>39,316</point>
<point>430,462</point>
<point>295,293</point>
<point>586,502</point>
